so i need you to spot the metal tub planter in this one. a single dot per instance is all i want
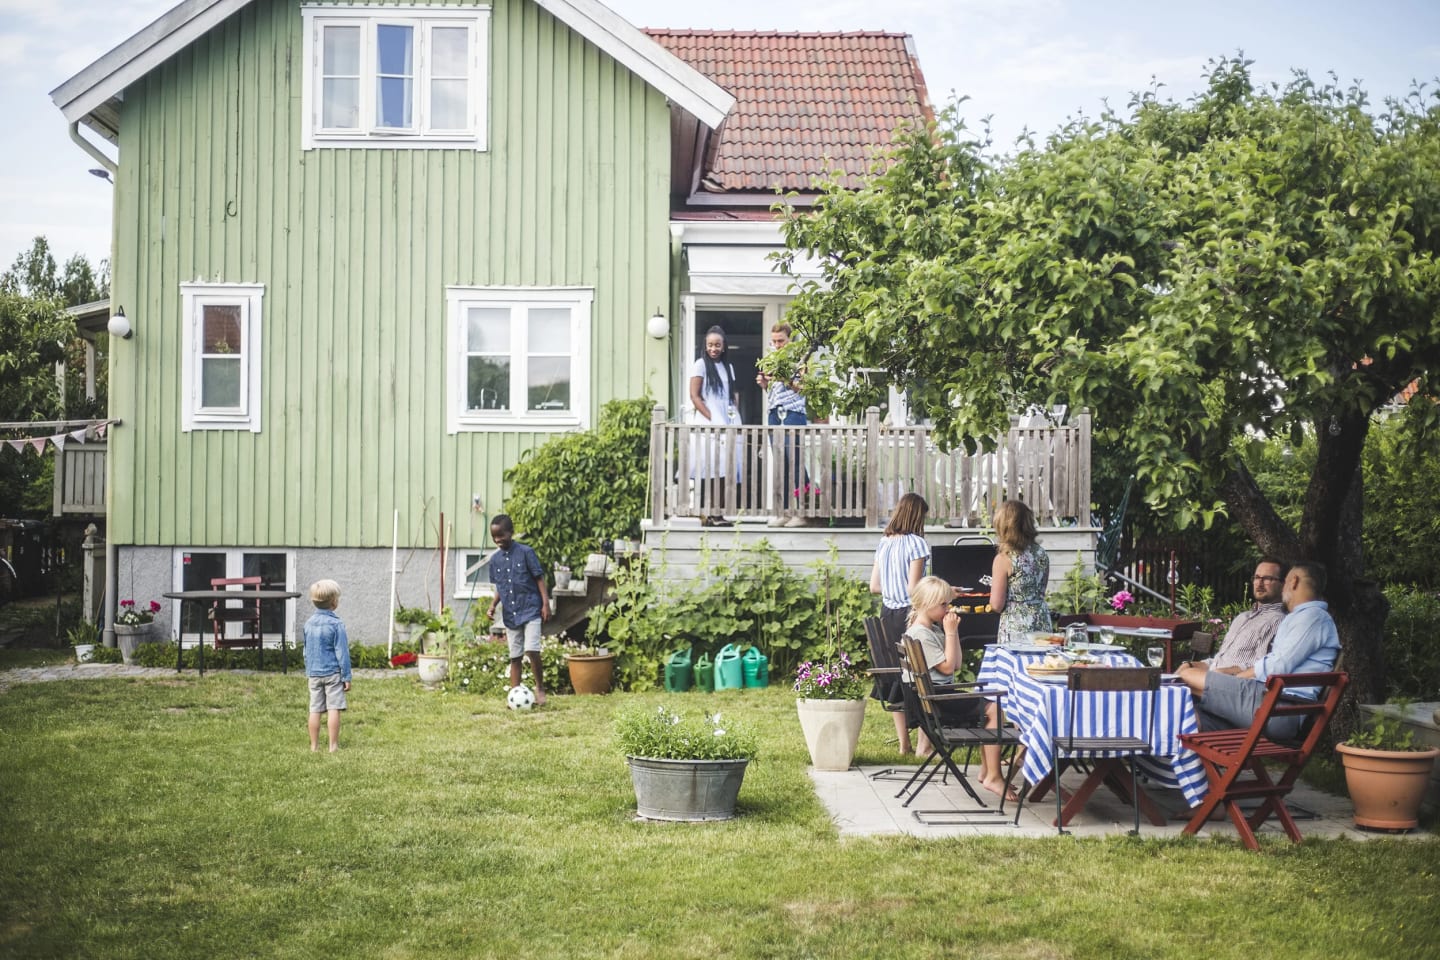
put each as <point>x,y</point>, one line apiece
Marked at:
<point>686,789</point>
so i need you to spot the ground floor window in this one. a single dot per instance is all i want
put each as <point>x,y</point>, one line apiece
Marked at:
<point>195,569</point>
<point>472,575</point>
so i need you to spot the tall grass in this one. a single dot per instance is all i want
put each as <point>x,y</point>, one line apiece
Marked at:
<point>182,817</point>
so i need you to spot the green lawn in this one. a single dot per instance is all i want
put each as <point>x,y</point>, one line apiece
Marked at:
<point>180,817</point>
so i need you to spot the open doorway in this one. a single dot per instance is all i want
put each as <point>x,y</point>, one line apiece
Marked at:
<point>745,340</point>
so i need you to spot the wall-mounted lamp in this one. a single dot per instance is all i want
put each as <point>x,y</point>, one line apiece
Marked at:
<point>119,325</point>
<point>657,326</point>
<point>102,173</point>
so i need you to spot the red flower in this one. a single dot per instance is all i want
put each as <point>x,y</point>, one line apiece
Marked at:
<point>405,659</point>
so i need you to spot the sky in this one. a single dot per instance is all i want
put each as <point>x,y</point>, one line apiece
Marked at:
<point>1026,64</point>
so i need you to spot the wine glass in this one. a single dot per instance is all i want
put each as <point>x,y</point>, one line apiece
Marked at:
<point>1155,655</point>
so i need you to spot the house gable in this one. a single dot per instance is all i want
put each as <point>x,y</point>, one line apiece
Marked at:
<point>94,94</point>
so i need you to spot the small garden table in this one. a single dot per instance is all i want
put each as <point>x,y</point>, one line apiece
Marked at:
<point>212,596</point>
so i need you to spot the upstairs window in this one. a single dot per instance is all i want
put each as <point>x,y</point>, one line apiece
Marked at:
<point>395,76</point>
<point>518,357</point>
<point>220,372</point>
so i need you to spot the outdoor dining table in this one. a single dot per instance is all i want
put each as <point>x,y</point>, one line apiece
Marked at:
<point>201,596</point>
<point>1038,706</point>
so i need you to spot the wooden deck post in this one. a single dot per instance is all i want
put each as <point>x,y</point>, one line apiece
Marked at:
<point>658,457</point>
<point>872,461</point>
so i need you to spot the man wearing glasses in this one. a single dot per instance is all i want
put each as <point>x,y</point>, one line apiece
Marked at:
<point>1249,636</point>
<point>1306,642</point>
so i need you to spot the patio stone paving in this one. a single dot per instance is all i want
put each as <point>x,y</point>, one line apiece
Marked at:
<point>861,804</point>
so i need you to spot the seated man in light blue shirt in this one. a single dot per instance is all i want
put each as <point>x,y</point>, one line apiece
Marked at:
<point>1306,642</point>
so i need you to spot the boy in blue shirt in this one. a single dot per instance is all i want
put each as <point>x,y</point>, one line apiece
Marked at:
<point>521,592</point>
<point>327,662</point>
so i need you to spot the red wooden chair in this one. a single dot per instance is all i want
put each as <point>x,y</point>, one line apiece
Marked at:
<point>243,611</point>
<point>1227,754</point>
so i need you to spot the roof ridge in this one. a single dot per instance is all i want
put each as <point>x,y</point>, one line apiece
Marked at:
<point>708,32</point>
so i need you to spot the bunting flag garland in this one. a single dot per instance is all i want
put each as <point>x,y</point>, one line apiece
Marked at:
<point>96,431</point>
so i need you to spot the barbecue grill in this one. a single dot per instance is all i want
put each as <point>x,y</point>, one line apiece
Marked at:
<point>965,564</point>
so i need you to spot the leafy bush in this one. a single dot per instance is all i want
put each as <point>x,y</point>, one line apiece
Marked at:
<point>1079,592</point>
<point>746,596</point>
<point>662,734</point>
<point>1411,656</point>
<point>483,667</point>
<point>577,489</point>
<point>103,654</point>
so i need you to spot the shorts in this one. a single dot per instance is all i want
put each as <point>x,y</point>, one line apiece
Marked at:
<point>326,693</point>
<point>523,639</point>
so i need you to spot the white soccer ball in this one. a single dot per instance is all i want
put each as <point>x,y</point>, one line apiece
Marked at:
<point>520,698</point>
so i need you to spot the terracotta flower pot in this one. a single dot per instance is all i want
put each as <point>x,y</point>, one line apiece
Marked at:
<point>1386,786</point>
<point>591,674</point>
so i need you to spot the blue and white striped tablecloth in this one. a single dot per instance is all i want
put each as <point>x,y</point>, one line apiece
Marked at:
<point>1037,706</point>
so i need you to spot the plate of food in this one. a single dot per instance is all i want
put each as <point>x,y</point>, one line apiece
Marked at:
<point>1028,647</point>
<point>1046,637</point>
<point>1054,665</point>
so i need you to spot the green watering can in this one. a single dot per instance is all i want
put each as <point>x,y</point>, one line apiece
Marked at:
<point>679,671</point>
<point>704,674</point>
<point>757,668</point>
<point>729,671</point>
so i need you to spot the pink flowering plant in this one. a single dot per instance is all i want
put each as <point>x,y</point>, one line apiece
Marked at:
<point>834,679</point>
<point>1121,600</point>
<point>133,615</point>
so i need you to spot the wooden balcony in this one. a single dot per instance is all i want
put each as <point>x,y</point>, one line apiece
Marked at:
<point>855,473</point>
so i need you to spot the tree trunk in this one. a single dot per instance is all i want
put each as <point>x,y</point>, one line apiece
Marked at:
<point>1330,533</point>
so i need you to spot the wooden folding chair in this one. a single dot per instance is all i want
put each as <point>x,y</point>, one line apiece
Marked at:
<point>246,614</point>
<point>1201,644</point>
<point>946,736</point>
<point>1227,754</point>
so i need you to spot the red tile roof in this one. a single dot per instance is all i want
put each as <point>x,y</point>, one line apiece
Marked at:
<point>806,102</point>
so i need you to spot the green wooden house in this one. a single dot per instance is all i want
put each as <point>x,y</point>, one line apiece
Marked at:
<point>369,254</point>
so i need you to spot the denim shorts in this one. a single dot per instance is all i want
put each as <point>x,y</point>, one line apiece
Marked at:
<point>326,693</point>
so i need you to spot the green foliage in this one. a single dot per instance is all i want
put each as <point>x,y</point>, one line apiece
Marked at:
<point>1079,592</point>
<point>483,667</point>
<point>440,631</point>
<point>1411,655</point>
<point>1386,730</point>
<point>103,654</point>
<point>413,615</point>
<point>835,679</point>
<point>662,734</point>
<point>1402,509</point>
<point>82,632</point>
<point>577,489</point>
<point>746,596</point>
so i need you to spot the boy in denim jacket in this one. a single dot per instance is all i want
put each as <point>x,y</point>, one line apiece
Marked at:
<point>327,662</point>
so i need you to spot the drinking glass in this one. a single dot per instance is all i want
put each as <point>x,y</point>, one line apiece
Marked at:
<point>1107,635</point>
<point>1155,655</point>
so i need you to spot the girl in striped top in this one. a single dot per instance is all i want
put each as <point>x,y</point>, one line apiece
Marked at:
<point>899,564</point>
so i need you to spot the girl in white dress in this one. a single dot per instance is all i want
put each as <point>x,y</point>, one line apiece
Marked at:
<point>714,397</point>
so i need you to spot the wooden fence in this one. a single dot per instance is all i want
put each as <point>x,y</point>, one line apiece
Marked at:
<point>859,471</point>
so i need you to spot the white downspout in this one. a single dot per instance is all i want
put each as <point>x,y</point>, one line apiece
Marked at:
<point>90,148</point>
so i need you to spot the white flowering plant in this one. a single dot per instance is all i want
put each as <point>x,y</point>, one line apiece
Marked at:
<point>663,734</point>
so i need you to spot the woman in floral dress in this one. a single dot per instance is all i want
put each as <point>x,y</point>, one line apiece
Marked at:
<point>1020,574</point>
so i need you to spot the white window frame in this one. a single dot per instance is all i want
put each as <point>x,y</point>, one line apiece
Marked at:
<point>458,300</point>
<point>194,297</point>
<point>234,567</point>
<point>368,18</point>
<point>464,589</point>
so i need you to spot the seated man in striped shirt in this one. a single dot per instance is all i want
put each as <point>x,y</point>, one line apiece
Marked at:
<point>1249,636</point>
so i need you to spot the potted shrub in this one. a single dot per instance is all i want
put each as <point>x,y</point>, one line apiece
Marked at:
<point>411,623</point>
<point>1385,771</point>
<point>83,637</point>
<point>831,702</point>
<point>591,668</point>
<point>434,657</point>
<point>132,627</point>
<point>684,768</point>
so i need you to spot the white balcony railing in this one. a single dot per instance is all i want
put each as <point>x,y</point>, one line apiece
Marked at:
<point>861,470</point>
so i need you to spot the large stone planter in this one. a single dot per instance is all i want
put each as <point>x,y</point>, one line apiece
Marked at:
<point>686,789</point>
<point>592,674</point>
<point>1386,786</point>
<point>128,638</point>
<point>832,730</point>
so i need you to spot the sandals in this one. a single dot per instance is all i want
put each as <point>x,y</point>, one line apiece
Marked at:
<point>715,522</point>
